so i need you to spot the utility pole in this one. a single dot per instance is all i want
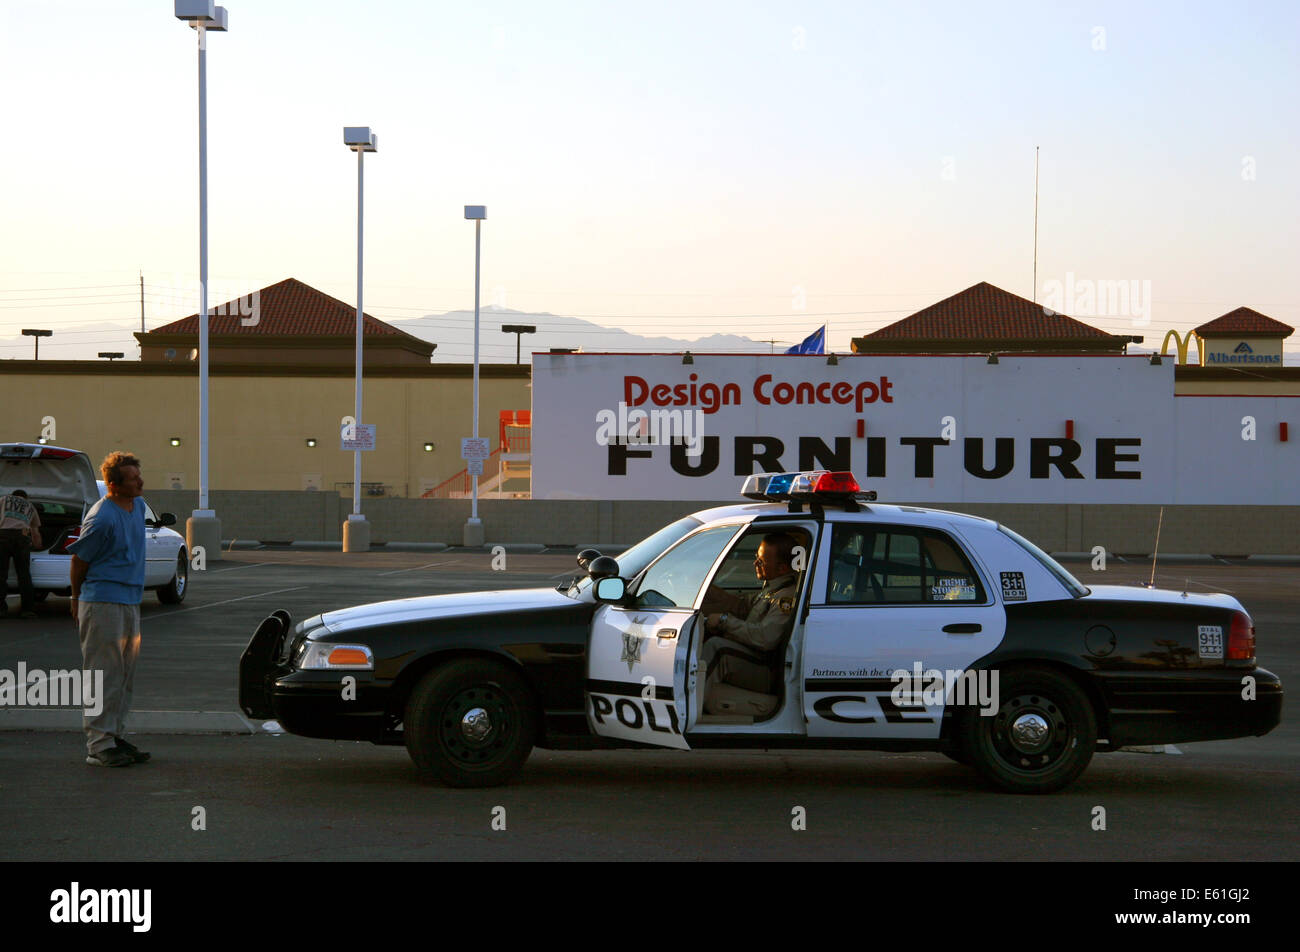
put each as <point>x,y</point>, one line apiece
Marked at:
<point>141,300</point>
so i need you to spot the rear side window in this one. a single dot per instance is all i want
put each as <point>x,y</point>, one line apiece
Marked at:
<point>898,565</point>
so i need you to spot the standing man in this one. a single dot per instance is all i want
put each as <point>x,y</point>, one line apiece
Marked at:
<point>107,586</point>
<point>20,532</point>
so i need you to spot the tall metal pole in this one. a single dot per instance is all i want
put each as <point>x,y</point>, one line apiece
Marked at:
<point>356,454</point>
<point>203,266</point>
<point>1035,224</point>
<point>478,225</point>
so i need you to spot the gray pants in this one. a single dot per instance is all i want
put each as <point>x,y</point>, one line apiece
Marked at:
<point>110,642</point>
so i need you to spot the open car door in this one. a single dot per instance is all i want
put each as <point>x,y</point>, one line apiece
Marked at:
<point>639,649</point>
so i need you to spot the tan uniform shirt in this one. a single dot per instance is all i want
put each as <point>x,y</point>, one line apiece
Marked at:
<point>766,614</point>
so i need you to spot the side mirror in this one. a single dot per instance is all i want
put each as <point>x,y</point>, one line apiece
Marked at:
<point>602,567</point>
<point>610,590</point>
<point>585,557</point>
<point>167,519</point>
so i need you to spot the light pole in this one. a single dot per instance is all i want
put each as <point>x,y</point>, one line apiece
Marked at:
<point>203,528</point>
<point>518,330</point>
<point>356,531</point>
<point>473,534</point>
<point>38,333</point>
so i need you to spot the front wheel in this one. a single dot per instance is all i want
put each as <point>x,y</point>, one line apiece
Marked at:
<point>470,723</point>
<point>173,593</point>
<point>1041,738</point>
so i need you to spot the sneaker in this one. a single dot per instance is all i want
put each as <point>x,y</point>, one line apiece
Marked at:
<point>137,755</point>
<point>110,758</point>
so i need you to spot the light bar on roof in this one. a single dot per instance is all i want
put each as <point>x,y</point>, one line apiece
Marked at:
<point>814,484</point>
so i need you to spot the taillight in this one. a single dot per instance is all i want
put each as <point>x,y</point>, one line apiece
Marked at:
<point>73,535</point>
<point>1241,638</point>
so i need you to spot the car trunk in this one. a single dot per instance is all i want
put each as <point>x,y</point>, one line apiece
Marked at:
<point>59,482</point>
<point>58,521</point>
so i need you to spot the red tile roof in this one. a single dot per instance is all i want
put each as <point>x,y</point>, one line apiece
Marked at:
<point>1242,322</point>
<point>287,308</point>
<point>984,311</point>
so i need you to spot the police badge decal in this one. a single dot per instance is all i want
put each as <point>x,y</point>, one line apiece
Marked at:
<point>631,650</point>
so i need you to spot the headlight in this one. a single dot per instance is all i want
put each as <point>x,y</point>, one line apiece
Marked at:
<point>325,655</point>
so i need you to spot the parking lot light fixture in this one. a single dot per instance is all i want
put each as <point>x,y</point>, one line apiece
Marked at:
<point>37,333</point>
<point>175,441</point>
<point>203,529</point>
<point>356,531</point>
<point>473,534</point>
<point>518,330</point>
<point>311,441</point>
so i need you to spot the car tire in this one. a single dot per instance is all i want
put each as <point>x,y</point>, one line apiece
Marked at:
<point>470,723</point>
<point>1041,738</point>
<point>173,593</point>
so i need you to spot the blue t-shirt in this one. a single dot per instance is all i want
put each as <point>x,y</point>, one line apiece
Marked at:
<point>112,541</point>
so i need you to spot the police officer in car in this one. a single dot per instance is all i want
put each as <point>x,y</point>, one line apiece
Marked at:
<point>743,636</point>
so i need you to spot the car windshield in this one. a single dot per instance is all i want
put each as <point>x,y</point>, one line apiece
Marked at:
<point>633,560</point>
<point>1077,588</point>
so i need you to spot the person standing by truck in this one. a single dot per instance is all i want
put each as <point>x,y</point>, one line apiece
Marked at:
<point>20,532</point>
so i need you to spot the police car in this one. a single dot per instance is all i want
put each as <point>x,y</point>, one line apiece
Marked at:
<point>905,629</point>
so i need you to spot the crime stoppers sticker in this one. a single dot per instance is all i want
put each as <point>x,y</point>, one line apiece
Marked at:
<point>1209,641</point>
<point>1013,586</point>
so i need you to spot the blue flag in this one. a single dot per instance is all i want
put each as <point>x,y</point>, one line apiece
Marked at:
<point>814,343</point>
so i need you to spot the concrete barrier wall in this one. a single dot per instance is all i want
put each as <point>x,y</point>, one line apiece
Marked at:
<point>1125,530</point>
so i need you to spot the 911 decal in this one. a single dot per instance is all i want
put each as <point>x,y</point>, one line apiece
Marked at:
<point>1209,641</point>
<point>1013,587</point>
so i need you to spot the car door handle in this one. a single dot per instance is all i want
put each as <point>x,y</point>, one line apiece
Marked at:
<point>666,634</point>
<point>963,629</point>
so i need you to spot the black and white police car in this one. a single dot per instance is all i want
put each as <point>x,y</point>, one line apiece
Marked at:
<point>912,629</point>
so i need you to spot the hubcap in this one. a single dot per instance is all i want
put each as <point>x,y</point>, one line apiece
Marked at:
<point>1030,733</point>
<point>476,724</point>
<point>182,572</point>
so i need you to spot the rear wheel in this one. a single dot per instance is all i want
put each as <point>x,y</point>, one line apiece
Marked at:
<point>1041,738</point>
<point>470,723</point>
<point>173,593</point>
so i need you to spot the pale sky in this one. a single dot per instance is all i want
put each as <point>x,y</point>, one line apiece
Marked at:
<point>676,168</point>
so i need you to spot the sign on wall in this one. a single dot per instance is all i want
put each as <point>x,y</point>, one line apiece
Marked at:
<point>924,428</point>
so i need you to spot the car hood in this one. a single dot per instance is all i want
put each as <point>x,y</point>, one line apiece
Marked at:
<point>402,611</point>
<point>1164,596</point>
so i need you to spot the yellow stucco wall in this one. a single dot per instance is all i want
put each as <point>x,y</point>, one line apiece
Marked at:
<point>259,425</point>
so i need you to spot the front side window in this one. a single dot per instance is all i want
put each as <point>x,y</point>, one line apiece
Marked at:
<point>676,578</point>
<point>878,564</point>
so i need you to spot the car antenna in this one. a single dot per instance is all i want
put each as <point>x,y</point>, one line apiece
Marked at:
<point>1156,551</point>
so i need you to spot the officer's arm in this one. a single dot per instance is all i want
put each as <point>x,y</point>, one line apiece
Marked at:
<point>763,635</point>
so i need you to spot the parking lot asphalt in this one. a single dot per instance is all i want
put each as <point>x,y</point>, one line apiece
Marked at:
<point>283,797</point>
